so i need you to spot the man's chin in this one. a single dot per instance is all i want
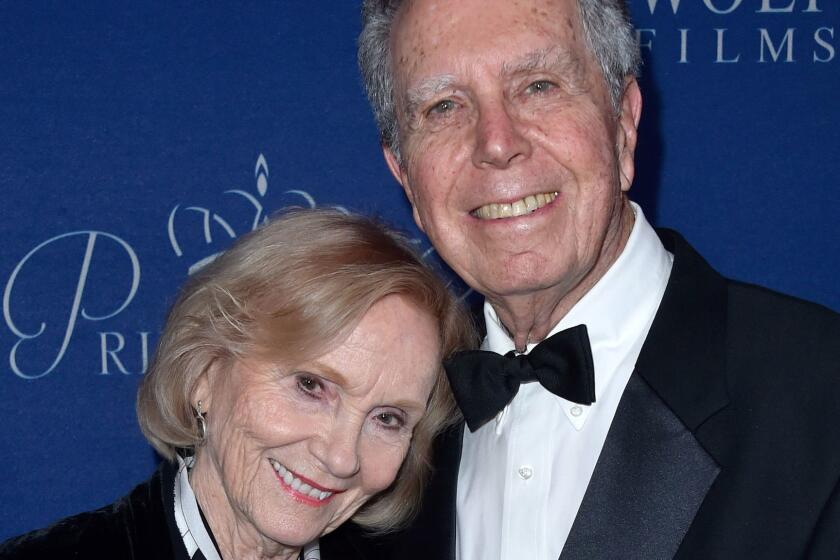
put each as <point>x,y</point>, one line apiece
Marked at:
<point>516,287</point>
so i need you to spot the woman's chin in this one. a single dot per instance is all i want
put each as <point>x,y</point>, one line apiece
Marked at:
<point>293,524</point>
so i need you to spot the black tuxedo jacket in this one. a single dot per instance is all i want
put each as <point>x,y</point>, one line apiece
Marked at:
<point>726,442</point>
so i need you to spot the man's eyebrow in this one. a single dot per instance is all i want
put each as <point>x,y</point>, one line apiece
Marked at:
<point>425,90</point>
<point>557,59</point>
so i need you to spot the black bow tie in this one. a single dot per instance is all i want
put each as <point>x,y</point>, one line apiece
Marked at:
<point>485,382</point>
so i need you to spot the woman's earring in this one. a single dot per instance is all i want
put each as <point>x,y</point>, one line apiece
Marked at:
<point>202,424</point>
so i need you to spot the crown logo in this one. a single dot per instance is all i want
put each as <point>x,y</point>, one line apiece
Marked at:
<point>207,226</point>
<point>206,229</point>
<point>200,230</point>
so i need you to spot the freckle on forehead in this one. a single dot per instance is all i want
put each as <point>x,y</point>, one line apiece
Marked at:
<point>425,24</point>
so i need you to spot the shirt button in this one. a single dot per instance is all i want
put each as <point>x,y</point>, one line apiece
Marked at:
<point>576,411</point>
<point>525,472</point>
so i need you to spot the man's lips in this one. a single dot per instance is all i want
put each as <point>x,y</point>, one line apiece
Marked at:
<point>531,203</point>
<point>303,488</point>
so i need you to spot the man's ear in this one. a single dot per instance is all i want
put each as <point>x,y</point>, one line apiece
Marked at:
<point>400,175</point>
<point>628,131</point>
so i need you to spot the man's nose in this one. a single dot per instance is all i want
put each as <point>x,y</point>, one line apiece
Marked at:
<point>499,137</point>
<point>337,447</point>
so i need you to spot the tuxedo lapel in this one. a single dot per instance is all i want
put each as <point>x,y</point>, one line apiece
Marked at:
<point>684,356</point>
<point>664,448</point>
<point>648,483</point>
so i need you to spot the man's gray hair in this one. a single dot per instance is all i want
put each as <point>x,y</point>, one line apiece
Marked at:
<point>606,25</point>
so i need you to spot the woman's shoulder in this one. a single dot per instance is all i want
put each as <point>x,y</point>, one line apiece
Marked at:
<point>134,526</point>
<point>72,537</point>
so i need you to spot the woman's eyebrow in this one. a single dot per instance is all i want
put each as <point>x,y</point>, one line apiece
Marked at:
<point>332,375</point>
<point>409,406</point>
<point>328,373</point>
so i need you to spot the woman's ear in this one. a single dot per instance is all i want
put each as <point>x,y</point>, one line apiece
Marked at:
<point>203,388</point>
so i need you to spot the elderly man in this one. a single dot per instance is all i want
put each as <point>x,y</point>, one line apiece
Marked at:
<point>702,422</point>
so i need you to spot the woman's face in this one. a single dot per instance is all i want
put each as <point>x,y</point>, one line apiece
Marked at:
<point>292,452</point>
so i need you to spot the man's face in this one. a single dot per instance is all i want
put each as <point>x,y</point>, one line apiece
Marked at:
<point>513,158</point>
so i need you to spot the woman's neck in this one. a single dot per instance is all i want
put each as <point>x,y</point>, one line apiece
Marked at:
<point>235,535</point>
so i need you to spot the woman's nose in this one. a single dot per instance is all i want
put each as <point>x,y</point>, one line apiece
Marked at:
<point>337,448</point>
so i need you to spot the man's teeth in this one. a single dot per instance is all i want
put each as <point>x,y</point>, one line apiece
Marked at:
<point>297,484</point>
<point>519,208</point>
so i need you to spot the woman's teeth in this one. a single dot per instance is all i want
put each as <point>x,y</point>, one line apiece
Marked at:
<point>519,208</point>
<point>297,484</point>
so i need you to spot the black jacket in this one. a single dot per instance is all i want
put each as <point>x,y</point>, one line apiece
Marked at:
<point>138,526</point>
<point>726,442</point>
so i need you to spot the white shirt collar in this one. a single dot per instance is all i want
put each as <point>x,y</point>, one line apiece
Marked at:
<point>612,310</point>
<point>191,526</point>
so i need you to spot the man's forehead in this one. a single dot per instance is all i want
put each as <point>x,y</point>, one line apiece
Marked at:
<point>422,15</point>
<point>427,28</point>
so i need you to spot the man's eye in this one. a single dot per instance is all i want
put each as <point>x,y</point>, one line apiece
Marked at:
<point>540,86</point>
<point>441,107</point>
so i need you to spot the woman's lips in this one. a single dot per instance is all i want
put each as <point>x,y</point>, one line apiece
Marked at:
<point>302,488</point>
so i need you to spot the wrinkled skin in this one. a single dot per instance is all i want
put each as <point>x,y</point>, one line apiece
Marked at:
<point>343,421</point>
<point>498,100</point>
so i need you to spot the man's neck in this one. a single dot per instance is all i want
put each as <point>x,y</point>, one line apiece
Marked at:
<point>529,318</point>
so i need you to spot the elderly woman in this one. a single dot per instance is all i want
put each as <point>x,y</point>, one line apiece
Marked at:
<point>297,384</point>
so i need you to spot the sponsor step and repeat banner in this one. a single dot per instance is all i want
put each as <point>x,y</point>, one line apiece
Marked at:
<point>139,140</point>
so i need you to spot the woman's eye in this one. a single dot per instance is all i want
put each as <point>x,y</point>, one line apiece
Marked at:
<point>540,86</point>
<point>390,420</point>
<point>309,385</point>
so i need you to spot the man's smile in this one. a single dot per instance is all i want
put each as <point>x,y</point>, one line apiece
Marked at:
<point>530,203</point>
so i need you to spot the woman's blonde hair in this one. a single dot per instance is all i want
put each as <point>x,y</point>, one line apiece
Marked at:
<point>292,289</point>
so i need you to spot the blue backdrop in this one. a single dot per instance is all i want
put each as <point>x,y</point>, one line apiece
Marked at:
<point>136,141</point>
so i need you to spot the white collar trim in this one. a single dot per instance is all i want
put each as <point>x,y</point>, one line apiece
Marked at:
<point>188,517</point>
<point>190,525</point>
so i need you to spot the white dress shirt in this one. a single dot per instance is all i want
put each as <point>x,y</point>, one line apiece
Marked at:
<point>523,475</point>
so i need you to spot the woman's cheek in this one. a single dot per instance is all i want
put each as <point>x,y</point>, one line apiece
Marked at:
<point>383,463</point>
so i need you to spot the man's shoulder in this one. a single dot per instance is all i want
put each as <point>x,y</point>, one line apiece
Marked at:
<point>759,299</point>
<point>775,349</point>
<point>777,323</point>
<point>760,313</point>
<point>783,357</point>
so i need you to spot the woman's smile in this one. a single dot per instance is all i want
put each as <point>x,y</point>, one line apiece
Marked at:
<point>301,488</point>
